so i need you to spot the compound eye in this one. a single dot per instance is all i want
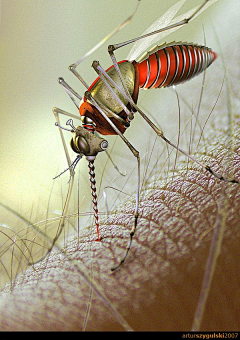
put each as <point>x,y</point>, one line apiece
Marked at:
<point>82,145</point>
<point>79,145</point>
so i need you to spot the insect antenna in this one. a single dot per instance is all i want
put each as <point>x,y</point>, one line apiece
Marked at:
<point>68,122</point>
<point>61,127</point>
<point>71,167</point>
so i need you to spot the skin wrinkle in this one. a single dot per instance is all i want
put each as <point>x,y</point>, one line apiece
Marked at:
<point>39,304</point>
<point>182,195</point>
<point>194,205</point>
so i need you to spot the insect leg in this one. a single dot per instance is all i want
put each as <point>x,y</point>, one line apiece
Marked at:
<point>111,160</point>
<point>95,65</point>
<point>56,112</point>
<point>72,67</point>
<point>136,154</point>
<point>172,26</point>
<point>112,56</point>
<point>70,92</point>
<point>160,132</point>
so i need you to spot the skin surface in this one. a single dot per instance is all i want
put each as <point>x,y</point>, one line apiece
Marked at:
<point>159,285</point>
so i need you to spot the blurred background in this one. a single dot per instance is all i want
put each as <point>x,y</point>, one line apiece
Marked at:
<point>39,40</point>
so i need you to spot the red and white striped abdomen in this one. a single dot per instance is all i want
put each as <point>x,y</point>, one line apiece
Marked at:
<point>168,65</point>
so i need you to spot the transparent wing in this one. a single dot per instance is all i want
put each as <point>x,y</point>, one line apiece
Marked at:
<point>168,18</point>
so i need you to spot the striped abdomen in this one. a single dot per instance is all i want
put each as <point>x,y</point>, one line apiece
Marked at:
<point>173,64</point>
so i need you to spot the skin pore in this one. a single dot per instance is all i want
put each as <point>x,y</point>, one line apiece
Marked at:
<point>158,287</point>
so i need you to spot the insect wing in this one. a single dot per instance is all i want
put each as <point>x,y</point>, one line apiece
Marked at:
<point>142,45</point>
<point>168,18</point>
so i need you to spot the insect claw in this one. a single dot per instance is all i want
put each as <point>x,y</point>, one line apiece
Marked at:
<point>121,261</point>
<point>116,267</point>
<point>220,177</point>
<point>128,246</point>
<point>118,264</point>
<point>234,181</point>
<point>120,172</point>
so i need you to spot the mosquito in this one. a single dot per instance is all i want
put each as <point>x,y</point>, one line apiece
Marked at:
<point>110,102</point>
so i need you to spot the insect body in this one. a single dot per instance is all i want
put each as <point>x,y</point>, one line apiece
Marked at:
<point>173,64</point>
<point>110,103</point>
<point>163,66</point>
<point>101,93</point>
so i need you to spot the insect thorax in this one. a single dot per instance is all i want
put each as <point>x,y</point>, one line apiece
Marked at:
<point>101,93</point>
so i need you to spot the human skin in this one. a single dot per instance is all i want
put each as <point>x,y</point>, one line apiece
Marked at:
<point>158,287</point>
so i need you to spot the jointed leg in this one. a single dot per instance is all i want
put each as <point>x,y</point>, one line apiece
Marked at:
<point>56,112</point>
<point>157,130</point>
<point>70,91</point>
<point>177,24</point>
<point>95,65</point>
<point>112,56</point>
<point>71,168</point>
<point>111,160</point>
<point>167,16</point>
<point>72,67</point>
